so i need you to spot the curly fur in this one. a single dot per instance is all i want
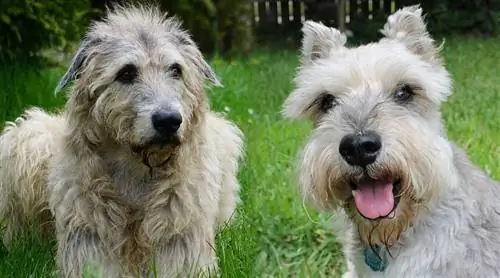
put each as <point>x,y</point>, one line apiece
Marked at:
<point>446,222</point>
<point>120,199</point>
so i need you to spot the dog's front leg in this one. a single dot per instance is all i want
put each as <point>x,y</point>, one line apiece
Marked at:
<point>190,254</point>
<point>90,221</point>
<point>81,253</point>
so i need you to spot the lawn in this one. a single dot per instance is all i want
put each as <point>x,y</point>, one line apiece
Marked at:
<point>275,234</point>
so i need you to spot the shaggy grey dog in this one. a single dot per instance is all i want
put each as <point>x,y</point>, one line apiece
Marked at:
<point>410,203</point>
<point>136,170</point>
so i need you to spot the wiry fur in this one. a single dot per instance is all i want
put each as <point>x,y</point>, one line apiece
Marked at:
<point>121,200</point>
<point>447,223</point>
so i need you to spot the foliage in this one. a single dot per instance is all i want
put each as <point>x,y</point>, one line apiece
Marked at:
<point>234,26</point>
<point>221,26</point>
<point>366,30</point>
<point>198,17</point>
<point>443,18</point>
<point>28,26</point>
<point>463,16</point>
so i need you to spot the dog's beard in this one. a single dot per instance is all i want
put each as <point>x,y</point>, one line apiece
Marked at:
<point>383,231</point>
<point>158,151</point>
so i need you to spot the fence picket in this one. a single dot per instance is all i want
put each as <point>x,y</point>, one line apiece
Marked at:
<point>276,16</point>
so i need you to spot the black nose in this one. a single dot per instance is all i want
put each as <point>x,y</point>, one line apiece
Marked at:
<point>166,122</point>
<point>360,150</point>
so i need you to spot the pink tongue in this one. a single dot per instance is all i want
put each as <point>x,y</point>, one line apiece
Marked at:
<point>374,198</point>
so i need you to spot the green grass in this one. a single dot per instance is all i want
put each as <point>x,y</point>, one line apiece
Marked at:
<point>275,235</point>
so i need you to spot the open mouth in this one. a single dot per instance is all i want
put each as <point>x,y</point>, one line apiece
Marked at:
<point>376,199</point>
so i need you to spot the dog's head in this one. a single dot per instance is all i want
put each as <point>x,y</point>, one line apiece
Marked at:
<point>139,81</point>
<point>378,148</point>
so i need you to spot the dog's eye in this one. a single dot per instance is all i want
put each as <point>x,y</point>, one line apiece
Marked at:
<point>127,74</point>
<point>175,71</point>
<point>403,94</point>
<point>327,102</point>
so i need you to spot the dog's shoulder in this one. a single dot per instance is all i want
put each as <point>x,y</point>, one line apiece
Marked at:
<point>225,135</point>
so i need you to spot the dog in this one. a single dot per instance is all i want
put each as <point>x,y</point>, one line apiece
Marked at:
<point>137,170</point>
<point>407,201</point>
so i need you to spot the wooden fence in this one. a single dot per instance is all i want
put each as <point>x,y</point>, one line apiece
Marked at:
<point>284,17</point>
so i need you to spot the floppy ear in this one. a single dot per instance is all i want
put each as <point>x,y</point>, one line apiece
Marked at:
<point>206,70</point>
<point>196,57</point>
<point>319,41</point>
<point>407,26</point>
<point>76,64</point>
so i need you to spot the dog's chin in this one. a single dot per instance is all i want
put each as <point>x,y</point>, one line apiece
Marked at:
<point>157,151</point>
<point>375,199</point>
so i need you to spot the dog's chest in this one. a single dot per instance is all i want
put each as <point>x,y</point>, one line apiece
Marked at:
<point>134,188</point>
<point>134,183</point>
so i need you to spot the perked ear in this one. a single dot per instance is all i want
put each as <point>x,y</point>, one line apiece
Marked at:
<point>319,41</point>
<point>407,26</point>
<point>76,64</point>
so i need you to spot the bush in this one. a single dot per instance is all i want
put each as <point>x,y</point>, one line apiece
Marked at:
<point>234,26</point>
<point>198,17</point>
<point>28,26</point>
<point>478,17</point>
<point>222,26</point>
<point>462,16</point>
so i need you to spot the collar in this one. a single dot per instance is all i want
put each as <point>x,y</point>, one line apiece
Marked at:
<point>375,258</point>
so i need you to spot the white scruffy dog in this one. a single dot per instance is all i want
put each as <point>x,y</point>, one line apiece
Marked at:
<point>411,203</point>
<point>137,171</point>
